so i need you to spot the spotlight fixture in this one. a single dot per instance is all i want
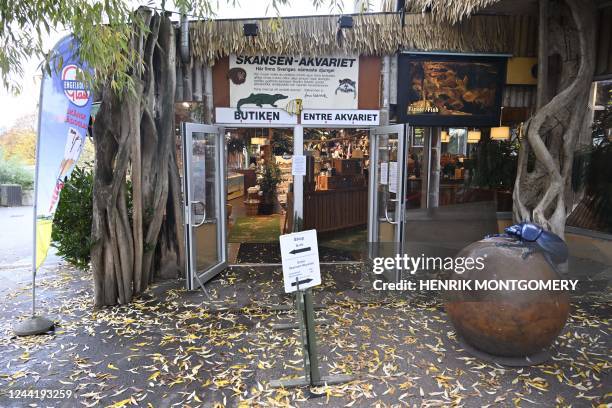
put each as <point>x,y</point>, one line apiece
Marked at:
<point>346,22</point>
<point>250,29</point>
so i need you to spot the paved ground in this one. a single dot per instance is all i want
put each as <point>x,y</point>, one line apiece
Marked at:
<point>173,348</point>
<point>16,248</point>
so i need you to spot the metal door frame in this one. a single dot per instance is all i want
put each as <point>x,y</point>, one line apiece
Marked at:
<point>193,277</point>
<point>373,228</point>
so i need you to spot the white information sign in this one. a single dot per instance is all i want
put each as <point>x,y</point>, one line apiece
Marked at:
<point>326,82</point>
<point>255,116</point>
<point>298,165</point>
<point>357,117</point>
<point>384,173</point>
<point>393,177</point>
<point>300,256</point>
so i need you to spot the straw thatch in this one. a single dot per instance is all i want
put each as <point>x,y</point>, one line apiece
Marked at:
<point>372,34</point>
<point>451,11</point>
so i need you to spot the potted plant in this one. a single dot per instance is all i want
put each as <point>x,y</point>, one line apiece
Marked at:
<point>281,144</point>
<point>268,180</point>
<point>494,168</point>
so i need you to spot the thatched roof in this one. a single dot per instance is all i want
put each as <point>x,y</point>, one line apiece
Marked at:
<point>372,34</point>
<point>450,10</point>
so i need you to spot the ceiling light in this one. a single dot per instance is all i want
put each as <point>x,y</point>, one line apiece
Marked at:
<point>473,136</point>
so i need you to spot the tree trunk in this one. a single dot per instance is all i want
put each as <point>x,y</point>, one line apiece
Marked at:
<point>547,152</point>
<point>135,147</point>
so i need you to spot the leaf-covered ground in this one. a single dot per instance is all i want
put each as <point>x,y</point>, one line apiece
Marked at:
<point>172,348</point>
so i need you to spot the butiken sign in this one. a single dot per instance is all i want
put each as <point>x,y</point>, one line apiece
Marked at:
<point>308,117</point>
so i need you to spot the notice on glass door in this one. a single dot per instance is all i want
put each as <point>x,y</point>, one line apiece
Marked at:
<point>393,177</point>
<point>384,173</point>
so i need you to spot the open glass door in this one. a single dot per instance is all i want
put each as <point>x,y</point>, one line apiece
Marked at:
<point>386,193</point>
<point>204,192</point>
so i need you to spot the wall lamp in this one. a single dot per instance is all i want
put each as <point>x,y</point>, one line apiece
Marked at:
<point>345,22</point>
<point>250,29</point>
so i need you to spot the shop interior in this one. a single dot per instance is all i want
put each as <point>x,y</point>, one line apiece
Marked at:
<point>336,190</point>
<point>475,165</point>
<point>260,197</point>
<point>459,181</point>
<point>258,184</point>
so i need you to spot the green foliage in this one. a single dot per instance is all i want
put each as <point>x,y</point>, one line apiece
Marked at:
<point>104,30</point>
<point>591,167</point>
<point>599,182</point>
<point>449,169</point>
<point>235,144</point>
<point>14,172</point>
<point>281,144</point>
<point>72,222</point>
<point>19,145</point>
<point>269,178</point>
<point>494,164</point>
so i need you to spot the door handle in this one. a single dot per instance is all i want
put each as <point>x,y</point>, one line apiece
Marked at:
<point>203,216</point>
<point>387,218</point>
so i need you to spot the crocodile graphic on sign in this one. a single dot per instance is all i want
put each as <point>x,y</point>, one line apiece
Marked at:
<point>260,99</point>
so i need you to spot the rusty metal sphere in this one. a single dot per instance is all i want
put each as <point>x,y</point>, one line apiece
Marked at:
<point>507,323</point>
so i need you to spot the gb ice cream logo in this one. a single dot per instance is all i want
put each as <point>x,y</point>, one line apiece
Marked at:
<point>74,90</point>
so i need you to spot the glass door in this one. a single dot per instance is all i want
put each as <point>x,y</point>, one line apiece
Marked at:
<point>204,193</point>
<point>386,195</point>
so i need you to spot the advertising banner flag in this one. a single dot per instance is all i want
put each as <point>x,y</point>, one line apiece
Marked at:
<point>64,110</point>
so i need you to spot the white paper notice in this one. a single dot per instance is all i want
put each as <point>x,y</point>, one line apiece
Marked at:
<point>384,173</point>
<point>393,177</point>
<point>300,257</point>
<point>298,166</point>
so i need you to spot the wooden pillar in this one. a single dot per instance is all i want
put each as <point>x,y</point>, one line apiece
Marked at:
<point>542,90</point>
<point>197,81</point>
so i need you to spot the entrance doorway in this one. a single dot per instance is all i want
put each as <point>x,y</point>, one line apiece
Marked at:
<point>386,229</point>
<point>335,190</point>
<point>422,202</point>
<point>354,178</point>
<point>258,181</point>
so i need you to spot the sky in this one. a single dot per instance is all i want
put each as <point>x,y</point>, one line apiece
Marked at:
<point>14,107</point>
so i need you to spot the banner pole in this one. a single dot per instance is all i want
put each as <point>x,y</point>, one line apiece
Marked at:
<point>35,206</point>
<point>35,325</point>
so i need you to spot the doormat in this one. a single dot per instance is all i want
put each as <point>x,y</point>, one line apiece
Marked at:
<point>256,229</point>
<point>352,240</point>
<point>270,253</point>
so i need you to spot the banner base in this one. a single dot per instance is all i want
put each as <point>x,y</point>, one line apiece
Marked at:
<point>32,326</point>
